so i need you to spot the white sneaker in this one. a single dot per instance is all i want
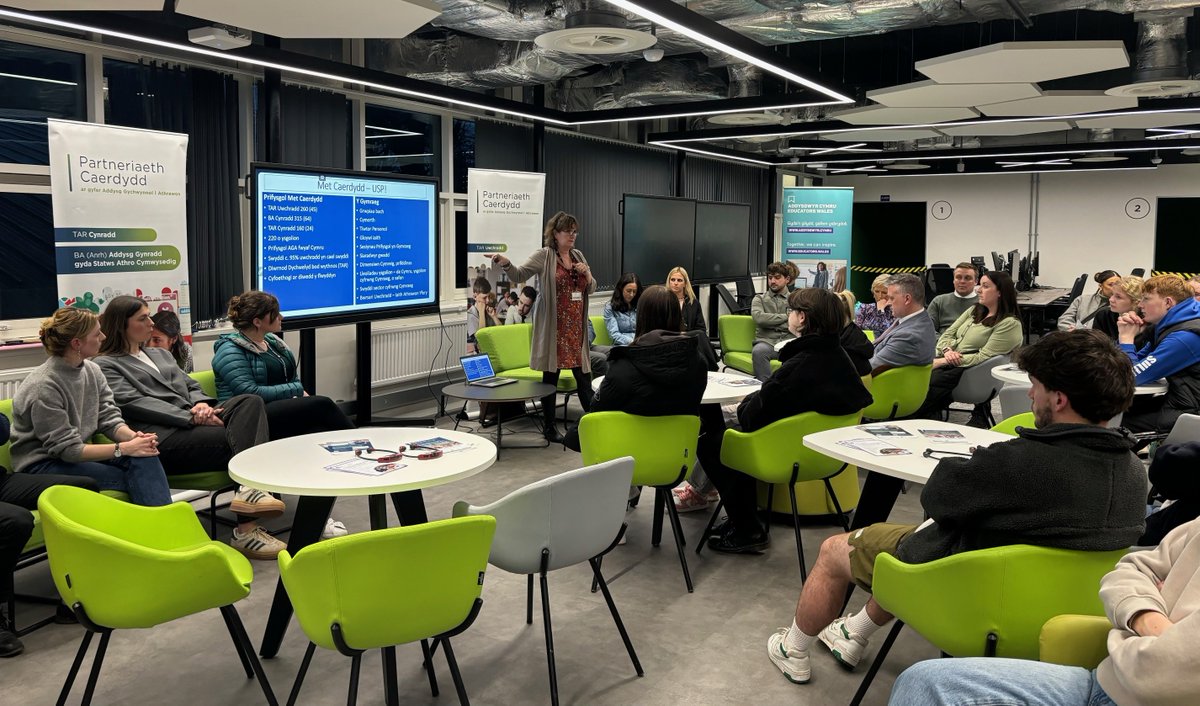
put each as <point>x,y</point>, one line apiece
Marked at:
<point>257,544</point>
<point>255,503</point>
<point>793,663</point>
<point>333,528</point>
<point>847,647</point>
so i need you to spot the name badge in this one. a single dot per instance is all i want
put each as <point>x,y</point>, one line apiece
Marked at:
<point>576,296</point>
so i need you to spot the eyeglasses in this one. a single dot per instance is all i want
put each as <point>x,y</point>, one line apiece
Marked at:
<point>940,454</point>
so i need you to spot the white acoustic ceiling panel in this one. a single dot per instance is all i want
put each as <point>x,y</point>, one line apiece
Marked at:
<point>52,5</point>
<point>896,135</point>
<point>883,115</point>
<point>1005,129</point>
<point>928,94</point>
<point>1059,103</point>
<point>1025,62</point>
<point>317,19</point>
<point>1141,122</point>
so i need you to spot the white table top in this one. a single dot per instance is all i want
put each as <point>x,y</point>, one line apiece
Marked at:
<point>1011,373</point>
<point>297,465</point>
<point>717,391</point>
<point>912,466</point>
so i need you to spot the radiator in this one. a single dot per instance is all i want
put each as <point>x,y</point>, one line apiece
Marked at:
<point>401,355</point>
<point>11,379</point>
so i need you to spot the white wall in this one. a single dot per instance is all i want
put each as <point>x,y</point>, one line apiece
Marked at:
<point>1081,216</point>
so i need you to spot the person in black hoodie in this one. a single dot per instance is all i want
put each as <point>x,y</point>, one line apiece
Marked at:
<point>661,373</point>
<point>816,375</point>
<point>1070,483</point>
<point>1173,476</point>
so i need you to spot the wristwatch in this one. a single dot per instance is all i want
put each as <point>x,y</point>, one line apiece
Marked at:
<point>117,451</point>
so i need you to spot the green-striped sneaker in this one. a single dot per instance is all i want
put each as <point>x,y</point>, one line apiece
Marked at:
<point>847,647</point>
<point>793,663</point>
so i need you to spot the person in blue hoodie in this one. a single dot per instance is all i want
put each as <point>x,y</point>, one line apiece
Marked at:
<point>1172,353</point>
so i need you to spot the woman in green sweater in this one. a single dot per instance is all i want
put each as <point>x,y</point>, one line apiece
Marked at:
<point>992,327</point>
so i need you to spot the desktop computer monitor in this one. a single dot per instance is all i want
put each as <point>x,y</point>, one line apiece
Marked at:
<point>980,266</point>
<point>997,261</point>
<point>1014,259</point>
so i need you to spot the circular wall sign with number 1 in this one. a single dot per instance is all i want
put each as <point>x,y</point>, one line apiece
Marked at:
<point>941,210</point>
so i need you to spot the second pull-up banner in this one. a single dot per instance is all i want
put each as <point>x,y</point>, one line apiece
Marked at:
<point>816,232</point>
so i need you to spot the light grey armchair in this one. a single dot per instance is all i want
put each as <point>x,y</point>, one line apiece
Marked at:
<point>558,522</point>
<point>978,387</point>
<point>1014,400</point>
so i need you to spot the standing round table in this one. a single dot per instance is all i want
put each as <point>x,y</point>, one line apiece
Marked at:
<point>297,466</point>
<point>519,391</point>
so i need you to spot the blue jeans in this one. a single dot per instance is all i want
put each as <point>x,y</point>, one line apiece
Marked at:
<point>994,681</point>
<point>142,478</point>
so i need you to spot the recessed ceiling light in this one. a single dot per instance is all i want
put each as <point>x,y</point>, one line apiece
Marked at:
<point>744,119</point>
<point>1156,89</point>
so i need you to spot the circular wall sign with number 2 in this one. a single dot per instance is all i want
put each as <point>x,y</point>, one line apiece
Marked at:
<point>1137,208</point>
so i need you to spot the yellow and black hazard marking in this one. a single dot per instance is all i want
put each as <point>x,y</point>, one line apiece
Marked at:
<point>1155,273</point>
<point>887,270</point>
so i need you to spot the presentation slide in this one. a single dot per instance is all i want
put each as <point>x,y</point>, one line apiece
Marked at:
<point>345,245</point>
<point>722,242</point>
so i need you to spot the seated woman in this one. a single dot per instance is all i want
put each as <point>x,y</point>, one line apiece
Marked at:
<point>65,402</point>
<point>992,327</point>
<point>1126,297</point>
<point>853,340</point>
<point>255,361</point>
<point>194,435</point>
<point>681,286</point>
<point>1079,312</point>
<point>167,335</point>
<point>482,311</point>
<point>877,316</point>
<point>816,376</point>
<point>620,314</point>
<point>661,372</point>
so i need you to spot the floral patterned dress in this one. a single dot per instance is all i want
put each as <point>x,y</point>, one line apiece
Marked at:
<point>570,316</point>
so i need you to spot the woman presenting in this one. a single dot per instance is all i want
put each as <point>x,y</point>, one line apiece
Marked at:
<point>559,334</point>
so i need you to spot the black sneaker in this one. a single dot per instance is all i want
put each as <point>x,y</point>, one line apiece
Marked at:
<point>737,543</point>
<point>10,644</point>
<point>552,435</point>
<point>64,615</point>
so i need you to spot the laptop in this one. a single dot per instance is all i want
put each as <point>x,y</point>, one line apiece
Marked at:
<point>479,371</point>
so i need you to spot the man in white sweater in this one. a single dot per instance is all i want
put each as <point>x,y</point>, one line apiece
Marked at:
<point>1152,598</point>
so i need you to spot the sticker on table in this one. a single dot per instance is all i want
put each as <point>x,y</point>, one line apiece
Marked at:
<point>875,447</point>
<point>943,434</point>
<point>740,382</point>
<point>884,430</point>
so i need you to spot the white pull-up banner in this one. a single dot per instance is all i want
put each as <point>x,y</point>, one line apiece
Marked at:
<point>120,216</point>
<point>504,215</point>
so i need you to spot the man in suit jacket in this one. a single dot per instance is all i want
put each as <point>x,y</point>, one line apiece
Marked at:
<point>911,338</point>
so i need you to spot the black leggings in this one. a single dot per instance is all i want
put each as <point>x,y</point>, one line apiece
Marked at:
<point>583,383</point>
<point>941,392</point>
<point>305,415</point>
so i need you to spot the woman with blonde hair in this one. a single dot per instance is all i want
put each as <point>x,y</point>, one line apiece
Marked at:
<point>877,316</point>
<point>66,401</point>
<point>560,340</point>
<point>679,284</point>
<point>1125,296</point>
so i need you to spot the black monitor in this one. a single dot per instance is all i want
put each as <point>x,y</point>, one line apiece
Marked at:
<point>658,233</point>
<point>1014,258</point>
<point>997,261</point>
<point>1035,264</point>
<point>980,267</point>
<point>722,242</point>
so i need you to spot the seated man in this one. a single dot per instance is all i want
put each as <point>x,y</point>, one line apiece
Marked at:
<point>946,308</point>
<point>1172,353</point>
<point>1173,477</point>
<point>1070,483</point>
<point>1151,598</point>
<point>18,495</point>
<point>770,313</point>
<point>910,339</point>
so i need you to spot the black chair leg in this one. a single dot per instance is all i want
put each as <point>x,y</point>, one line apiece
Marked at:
<point>770,508</point>
<point>428,654</point>
<point>391,687</point>
<point>657,526</point>
<point>455,674</point>
<point>842,515</point>
<point>708,528</point>
<point>796,526</point>
<point>94,675</point>
<point>355,664</point>
<point>83,648</point>
<point>295,693</point>
<point>549,631</point>
<point>595,585</point>
<point>870,675</point>
<point>529,602</point>
<point>612,608</point>
<point>237,644</point>
<point>240,632</point>
<point>673,515</point>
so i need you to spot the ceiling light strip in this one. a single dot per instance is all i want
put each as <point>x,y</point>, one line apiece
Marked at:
<point>755,109</point>
<point>719,155</point>
<point>38,78</point>
<point>1074,170</point>
<point>967,155</point>
<point>713,43</point>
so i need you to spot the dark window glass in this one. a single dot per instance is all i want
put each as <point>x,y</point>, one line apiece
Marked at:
<point>28,281</point>
<point>38,83</point>
<point>464,153</point>
<point>403,142</point>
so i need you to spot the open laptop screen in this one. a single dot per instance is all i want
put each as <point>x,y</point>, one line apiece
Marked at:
<point>477,367</point>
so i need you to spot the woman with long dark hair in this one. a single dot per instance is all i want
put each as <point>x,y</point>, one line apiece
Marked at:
<point>992,327</point>
<point>1080,313</point>
<point>560,340</point>
<point>620,314</point>
<point>168,335</point>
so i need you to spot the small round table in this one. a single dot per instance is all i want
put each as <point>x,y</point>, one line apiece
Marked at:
<point>1012,374</point>
<point>297,466</point>
<point>722,388</point>
<point>519,391</point>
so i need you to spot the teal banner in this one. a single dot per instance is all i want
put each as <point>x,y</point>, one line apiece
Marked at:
<point>816,233</point>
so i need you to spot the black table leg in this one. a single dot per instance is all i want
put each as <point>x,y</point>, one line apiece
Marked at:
<point>879,495</point>
<point>378,508</point>
<point>499,431</point>
<point>410,507</point>
<point>311,514</point>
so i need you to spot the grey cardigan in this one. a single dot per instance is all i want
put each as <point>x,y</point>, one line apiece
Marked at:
<point>158,403</point>
<point>543,352</point>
